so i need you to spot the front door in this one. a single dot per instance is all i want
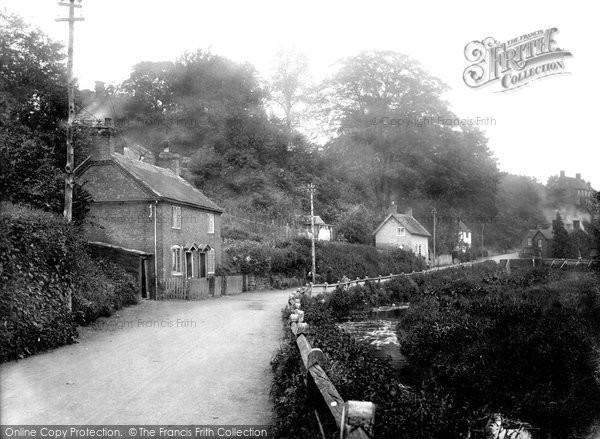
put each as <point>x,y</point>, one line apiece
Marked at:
<point>202,267</point>
<point>143,279</point>
<point>189,264</point>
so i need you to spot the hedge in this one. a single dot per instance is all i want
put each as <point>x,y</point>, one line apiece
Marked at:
<point>334,260</point>
<point>43,261</point>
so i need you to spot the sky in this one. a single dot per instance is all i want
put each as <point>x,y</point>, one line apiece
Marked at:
<point>537,130</point>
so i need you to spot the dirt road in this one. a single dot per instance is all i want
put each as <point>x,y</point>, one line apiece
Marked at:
<point>177,362</point>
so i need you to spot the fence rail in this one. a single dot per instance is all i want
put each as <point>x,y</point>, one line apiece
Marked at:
<point>571,262</point>
<point>202,288</point>
<point>352,419</point>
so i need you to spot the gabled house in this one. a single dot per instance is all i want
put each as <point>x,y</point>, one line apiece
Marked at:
<point>464,236</point>
<point>538,242</point>
<point>323,231</point>
<point>147,211</point>
<point>575,191</point>
<point>402,231</point>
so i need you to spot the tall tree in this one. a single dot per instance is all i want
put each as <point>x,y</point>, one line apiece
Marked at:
<point>393,130</point>
<point>562,247</point>
<point>289,85</point>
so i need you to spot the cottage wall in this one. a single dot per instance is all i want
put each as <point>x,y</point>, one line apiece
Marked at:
<point>194,229</point>
<point>387,237</point>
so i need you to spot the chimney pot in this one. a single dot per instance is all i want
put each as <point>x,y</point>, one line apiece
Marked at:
<point>393,208</point>
<point>578,176</point>
<point>562,173</point>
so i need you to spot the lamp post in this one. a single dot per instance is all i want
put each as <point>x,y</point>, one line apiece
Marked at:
<point>434,212</point>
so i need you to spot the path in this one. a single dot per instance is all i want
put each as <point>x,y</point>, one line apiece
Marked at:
<point>207,364</point>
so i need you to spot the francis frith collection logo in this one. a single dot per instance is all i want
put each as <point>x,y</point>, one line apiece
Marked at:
<point>515,63</point>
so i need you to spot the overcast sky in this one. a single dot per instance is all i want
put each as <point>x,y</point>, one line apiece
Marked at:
<point>539,129</point>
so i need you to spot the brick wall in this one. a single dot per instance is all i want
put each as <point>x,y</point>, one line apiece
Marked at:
<point>106,182</point>
<point>194,229</point>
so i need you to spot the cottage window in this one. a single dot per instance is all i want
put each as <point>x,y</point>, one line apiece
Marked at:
<point>401,231</point>
<point>529,242</point>
<point>176,211</point>
<point>210,261</point>
<point>539,243</point>
<point>211,223</point>
<point>176,260</point>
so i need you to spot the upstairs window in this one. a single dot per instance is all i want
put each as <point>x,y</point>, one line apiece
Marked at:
<point>401,231</point>
<point>529,243</point>
<point>211,223</point>
<point>176,213</point>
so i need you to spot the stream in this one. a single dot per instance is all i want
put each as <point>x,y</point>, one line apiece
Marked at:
<point>378,329</point>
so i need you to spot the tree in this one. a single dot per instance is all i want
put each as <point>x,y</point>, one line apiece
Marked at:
<point>392,131</point>
<point>289,85</point>
<point>562,247</point>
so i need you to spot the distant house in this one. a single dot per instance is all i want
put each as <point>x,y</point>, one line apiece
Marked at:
<point>402,231</point>
<point>575,191</point>
<point>464,236</point>
<point>538,242</point>
<point>323,231</point>
<point>150,216</point>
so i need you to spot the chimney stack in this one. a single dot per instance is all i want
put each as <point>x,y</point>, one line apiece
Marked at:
<point>170,160</point>
<point>408,211</point>
<point>562,173</point>
<point>393,209</point>
<point>578,176</point>
<point>103,141</point>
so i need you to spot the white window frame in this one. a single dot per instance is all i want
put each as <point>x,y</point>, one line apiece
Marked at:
<point>210,261</point>
<point>529,242</point>
<point>176,217</point>
<point>401,231</point>
<point>176,261</point>
<point>211,223</point>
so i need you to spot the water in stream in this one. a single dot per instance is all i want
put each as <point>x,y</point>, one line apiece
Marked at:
<point>378,329</point>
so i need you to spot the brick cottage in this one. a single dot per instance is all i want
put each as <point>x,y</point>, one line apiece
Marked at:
<point>146,216</point>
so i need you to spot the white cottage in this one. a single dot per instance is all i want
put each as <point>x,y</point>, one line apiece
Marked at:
<point>399,230</point>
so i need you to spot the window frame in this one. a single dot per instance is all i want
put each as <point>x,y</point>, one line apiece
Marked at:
<point>176,255</point>
<point>211,223</point>
<point>176,217</point>
<point>211,261</point>
<point>401,231</point>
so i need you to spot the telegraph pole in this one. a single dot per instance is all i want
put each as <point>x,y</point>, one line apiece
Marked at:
<point>69,168</point>
<point>311,188</point>
<point>434,212</point>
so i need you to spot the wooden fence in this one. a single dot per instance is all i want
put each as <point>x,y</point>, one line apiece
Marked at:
<point>350,419</point>
<point>198,289</point>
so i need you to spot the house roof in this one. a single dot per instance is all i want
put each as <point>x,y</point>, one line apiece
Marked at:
<point>463,227</point>
<point>164,183</point>
<point>318,221</point>
<point>546,233</point>
<point>406,221</point>
<point>572,183</point>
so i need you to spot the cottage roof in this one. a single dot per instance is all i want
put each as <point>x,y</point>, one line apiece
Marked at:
<point>406,221</point>
<point>546,233</point>
<point>318,221</point>
<point>463,227</point>
<point>164,183</point>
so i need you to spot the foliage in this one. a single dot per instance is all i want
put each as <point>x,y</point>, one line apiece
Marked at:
<point>43,262</point>
<point>562,246</point>
<point>478,341</point>
<point>292,258</point>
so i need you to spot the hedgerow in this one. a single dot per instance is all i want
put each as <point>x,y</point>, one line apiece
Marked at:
<point>44,263</point>
<point>334,260</point>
